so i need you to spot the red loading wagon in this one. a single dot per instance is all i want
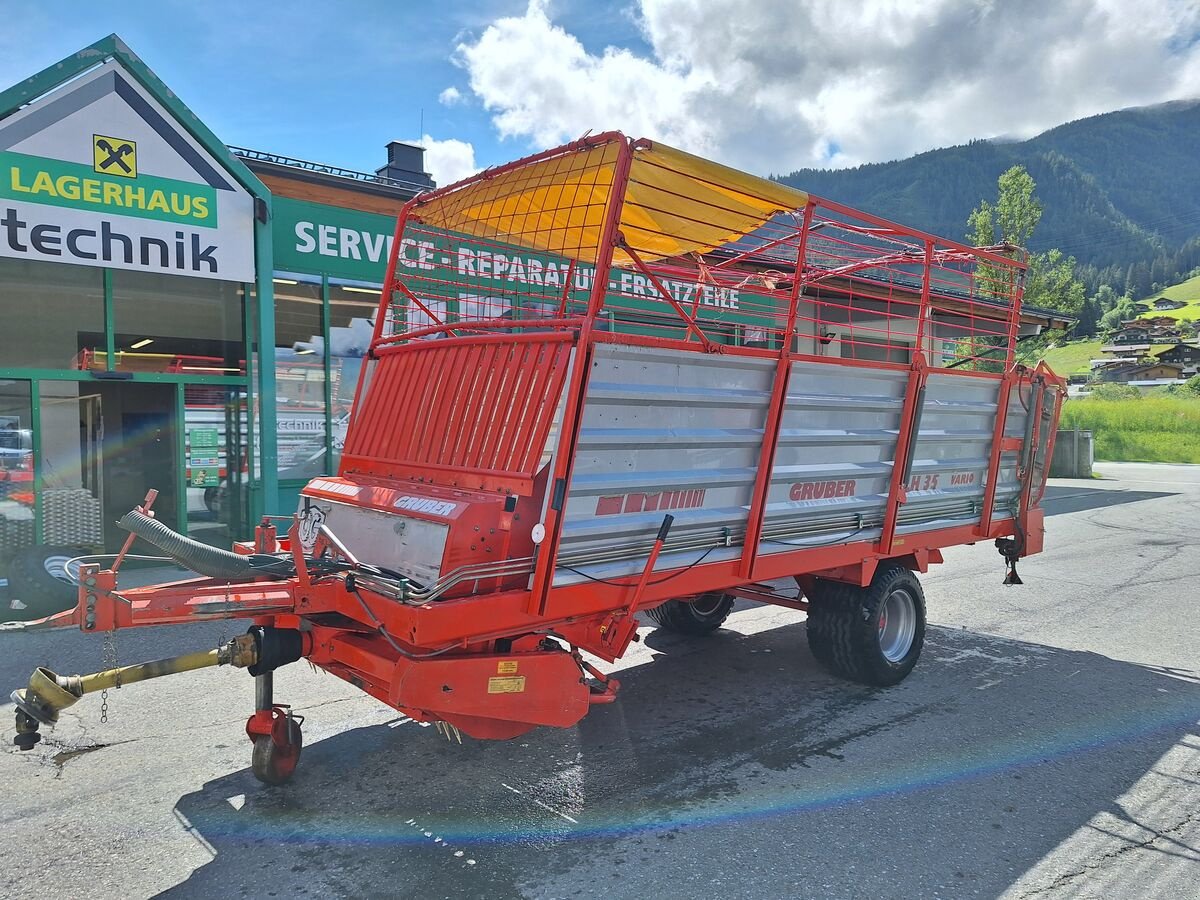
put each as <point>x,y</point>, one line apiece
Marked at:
<point>610,379</point>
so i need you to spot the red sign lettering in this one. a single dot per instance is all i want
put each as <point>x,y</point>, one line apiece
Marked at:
<point>823,490</point>
<point>643,502</point>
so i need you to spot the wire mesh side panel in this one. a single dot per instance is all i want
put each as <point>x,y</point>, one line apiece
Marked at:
<point>513,247</point>
<point>472,414</point>
<point>864,289</point>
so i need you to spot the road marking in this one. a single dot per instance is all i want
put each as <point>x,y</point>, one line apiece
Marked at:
<point>1159,482</point>
<point>437,839</point>
<point>544,806</point>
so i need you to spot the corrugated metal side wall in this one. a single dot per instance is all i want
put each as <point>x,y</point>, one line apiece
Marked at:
<point>663,431</point>
<point>681,432</point>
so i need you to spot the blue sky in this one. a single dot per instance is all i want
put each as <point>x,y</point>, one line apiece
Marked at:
<point>331,82</point>
<point>766,85</point>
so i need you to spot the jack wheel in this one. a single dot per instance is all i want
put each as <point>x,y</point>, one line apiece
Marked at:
<point>273,762</point>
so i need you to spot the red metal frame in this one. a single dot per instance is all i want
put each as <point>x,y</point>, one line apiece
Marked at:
<point>462,409</point>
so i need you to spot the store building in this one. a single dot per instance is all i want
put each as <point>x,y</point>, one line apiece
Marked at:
<point>177,314</point>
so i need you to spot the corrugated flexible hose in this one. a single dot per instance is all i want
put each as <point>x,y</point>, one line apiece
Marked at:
<point>211,561</point>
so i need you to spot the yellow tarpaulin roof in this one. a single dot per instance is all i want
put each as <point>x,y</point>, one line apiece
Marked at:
<point>675,203</point>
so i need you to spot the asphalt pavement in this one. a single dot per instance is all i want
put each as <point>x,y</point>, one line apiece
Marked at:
<point>1047,745</point>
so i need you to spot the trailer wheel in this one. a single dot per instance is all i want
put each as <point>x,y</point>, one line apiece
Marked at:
<point>274,763</point>
<point>872,635</point>
<point>701,615</point>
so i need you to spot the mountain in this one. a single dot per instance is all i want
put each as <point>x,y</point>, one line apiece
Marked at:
<point>1119,189</point>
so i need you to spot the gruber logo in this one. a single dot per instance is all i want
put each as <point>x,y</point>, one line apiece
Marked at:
<point>425,505</point>
<point>635,503</point>
<point>823,490</point>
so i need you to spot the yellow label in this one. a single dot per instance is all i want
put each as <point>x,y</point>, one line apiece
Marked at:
<point>506,667</point>
<point>513,684</point>
<point>114,156</point>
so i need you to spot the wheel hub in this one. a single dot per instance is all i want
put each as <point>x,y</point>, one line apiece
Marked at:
<point>707,604</point>
<point>897,625</point>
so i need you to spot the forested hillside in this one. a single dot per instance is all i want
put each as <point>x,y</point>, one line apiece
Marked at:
<point>1121,191</point>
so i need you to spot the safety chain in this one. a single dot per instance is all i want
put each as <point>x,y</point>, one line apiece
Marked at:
<point>110,662</point>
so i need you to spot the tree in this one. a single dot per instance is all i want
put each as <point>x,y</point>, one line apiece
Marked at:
<point>1050,281</point>
<point>1122,311</point>
<point>1089,318</point>
<point>1013,218</point>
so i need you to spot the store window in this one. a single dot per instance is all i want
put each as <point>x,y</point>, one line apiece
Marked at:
<point>71,457</point>
<point>299,376</point>
<point>53,314</point>
<point>353,306</point>
<point>16,469</point>
<point>169,323</point>
<point>216,462</point>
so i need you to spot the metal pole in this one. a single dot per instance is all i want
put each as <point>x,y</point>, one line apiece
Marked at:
<point>264,691</point>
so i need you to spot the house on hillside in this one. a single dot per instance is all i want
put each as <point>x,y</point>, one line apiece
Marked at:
<point>1157,322</point>
<point>1135,350</point>
<point>1125,373</point>
<point>1160,335</point>
<point>1186,355</point>
<point>1141,307</point>
<point>1131,333</point>
<point>1164,303</point>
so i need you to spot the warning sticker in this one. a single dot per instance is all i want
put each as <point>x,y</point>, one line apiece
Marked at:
<point>513,684</point>
<point>114,156</point>
<point>506,667</point>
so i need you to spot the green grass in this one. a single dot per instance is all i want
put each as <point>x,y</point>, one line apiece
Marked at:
<point>1068,359</point>
<point>1148,429</point>
<point>1075,357</point>
<point>1188,291</point>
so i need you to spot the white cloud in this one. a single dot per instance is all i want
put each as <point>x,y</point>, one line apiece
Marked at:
<point>448,161</point>
<point>773,85</point>
<point>450,96</point>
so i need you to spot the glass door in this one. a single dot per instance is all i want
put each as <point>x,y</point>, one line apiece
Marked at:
<point>216,463</point>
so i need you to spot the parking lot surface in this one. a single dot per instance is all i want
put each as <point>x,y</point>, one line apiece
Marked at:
<point>1047,745</point>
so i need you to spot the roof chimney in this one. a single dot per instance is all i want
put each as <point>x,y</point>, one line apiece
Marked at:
<point>406,162</point>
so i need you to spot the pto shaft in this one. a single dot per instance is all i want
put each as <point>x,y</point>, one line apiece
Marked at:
<point>49,694</point>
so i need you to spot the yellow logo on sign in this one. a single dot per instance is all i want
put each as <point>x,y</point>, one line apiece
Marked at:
<point>114,156</point>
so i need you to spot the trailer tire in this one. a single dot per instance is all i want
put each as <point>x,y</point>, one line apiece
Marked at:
<point>703,614</point>
<point>872,635</point>
<point>37,578</point>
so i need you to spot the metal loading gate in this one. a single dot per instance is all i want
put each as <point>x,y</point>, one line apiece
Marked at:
<point>692,382</point>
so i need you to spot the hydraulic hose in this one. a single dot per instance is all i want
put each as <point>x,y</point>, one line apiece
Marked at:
<point>210,561</point>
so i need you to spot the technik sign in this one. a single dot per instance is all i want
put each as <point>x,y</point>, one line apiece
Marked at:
<point>98,173</point>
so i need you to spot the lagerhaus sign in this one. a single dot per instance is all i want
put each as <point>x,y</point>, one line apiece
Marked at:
<point>98,173</point>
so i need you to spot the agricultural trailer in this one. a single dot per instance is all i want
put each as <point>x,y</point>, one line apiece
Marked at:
<point>691,386</point>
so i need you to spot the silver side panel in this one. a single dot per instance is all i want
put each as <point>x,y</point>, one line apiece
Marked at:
<point>410,546</point>
<point>669,431</point>
<point>950,460</point>
<point>663,431</point>
<point>834,459</point>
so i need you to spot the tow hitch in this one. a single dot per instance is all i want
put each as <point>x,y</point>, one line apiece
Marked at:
<point>48,694</point>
